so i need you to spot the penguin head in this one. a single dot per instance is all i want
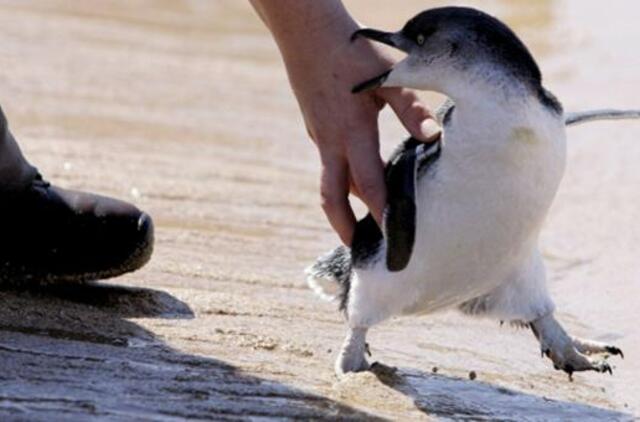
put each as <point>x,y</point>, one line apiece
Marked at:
<point>451,49</point>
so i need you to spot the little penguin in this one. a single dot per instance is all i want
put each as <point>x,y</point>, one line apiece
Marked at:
<point>463,214</point>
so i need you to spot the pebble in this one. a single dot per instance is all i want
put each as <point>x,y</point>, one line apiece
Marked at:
<point>472,375</point>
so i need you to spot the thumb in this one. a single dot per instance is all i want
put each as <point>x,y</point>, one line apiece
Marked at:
<point>414,115</point>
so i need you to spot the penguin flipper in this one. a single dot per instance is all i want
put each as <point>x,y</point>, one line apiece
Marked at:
<point>410,161</point>
<point>406,166</point>
<point>400,213</point>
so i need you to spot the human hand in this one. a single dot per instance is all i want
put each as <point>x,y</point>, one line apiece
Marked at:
<point>345,127</point>
<point>323,66</point>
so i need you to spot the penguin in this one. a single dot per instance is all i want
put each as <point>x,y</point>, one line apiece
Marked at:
<point>463,214</point>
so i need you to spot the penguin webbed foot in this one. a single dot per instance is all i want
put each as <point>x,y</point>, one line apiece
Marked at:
<point>571,354</point>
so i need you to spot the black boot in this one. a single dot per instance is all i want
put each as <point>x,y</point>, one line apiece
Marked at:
<point>49,234</point>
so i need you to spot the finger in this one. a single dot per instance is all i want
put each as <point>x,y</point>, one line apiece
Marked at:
<point>367,171</point>
<point>353,189</point>
<point>413,114</point>
<point>334,191</point>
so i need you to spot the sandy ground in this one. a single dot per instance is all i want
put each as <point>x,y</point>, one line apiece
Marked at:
<point>183,108</point>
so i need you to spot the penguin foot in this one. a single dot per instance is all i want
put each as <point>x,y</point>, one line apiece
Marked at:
<point>570,360</point>
<point>352,356</point>
<point>345,365</point>
<point>590,347</point>
<point>570,354</point>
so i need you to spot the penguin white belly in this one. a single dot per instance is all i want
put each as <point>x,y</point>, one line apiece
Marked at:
<point>478,219</point>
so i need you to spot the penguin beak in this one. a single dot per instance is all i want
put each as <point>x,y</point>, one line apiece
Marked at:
<point>373,34</point>
<point>393,39</point>
<point>372,83</point>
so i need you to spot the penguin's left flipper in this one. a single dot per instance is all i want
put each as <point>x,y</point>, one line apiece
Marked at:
<point>406,165</point>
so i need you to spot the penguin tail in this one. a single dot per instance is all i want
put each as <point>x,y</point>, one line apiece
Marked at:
<point>606,114</point>
<point>330,276</point>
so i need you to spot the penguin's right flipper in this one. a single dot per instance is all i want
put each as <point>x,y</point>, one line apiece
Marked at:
<point>405,166</point>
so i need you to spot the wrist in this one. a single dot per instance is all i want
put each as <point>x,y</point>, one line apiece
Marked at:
<point>319,41</point>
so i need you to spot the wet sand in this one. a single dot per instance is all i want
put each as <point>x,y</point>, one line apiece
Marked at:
<point>183,108</point>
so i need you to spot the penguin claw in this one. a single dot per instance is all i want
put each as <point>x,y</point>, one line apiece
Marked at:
<point>612,350</point>
<point>605,367</point>
<point>589,347</point>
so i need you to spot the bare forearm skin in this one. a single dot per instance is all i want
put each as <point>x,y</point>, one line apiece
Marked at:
<point>295,23</point>
<point>307,31</point>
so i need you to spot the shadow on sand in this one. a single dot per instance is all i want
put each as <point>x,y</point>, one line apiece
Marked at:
<point>452,398</point>
<point>67,352</point>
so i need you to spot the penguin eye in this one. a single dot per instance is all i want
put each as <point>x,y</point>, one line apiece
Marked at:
<point>420,39</point>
